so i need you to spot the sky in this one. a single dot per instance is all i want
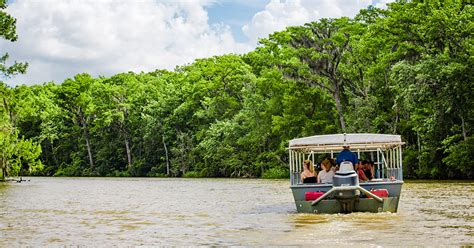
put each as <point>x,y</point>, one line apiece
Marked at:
<point>61,38</point>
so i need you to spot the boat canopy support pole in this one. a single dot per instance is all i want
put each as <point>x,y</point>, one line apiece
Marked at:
<point>291,166</point>
<point>378,165</point>
<point>379,199</point>
<point>400,172</point>
<point>315,202</point>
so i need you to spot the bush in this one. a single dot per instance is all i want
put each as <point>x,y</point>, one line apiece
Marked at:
<point>460,159</point>
<point>276,173</point>
<point>69,171</point>
<point>192,174</point>
<point>117,173</point>
<point>137,169</point>
<point>155,172</point>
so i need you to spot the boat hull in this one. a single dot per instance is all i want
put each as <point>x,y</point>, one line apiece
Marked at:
<point>361,204</point>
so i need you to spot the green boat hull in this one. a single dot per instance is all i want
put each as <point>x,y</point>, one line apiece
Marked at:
<point>390,204</point>
<point>362,204</point>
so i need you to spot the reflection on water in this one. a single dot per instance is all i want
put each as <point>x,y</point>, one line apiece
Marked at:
<point>145,211</point>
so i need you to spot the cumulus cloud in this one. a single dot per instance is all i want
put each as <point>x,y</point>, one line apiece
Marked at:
<point>382,4</point>
<point>60,38</point>
<point>278,14</point>
<point>103,37</point>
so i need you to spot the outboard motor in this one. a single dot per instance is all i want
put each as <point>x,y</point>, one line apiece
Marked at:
<point>346,176</point>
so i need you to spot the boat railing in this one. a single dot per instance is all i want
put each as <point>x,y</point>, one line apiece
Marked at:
<point>387,160</point>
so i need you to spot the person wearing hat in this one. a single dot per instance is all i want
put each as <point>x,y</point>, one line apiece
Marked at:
<point>347,155</point>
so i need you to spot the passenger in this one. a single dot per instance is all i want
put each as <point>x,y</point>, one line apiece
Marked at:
<point>372,164</point>
<point>335,167</point>
<point>368,169</point>
<point>327,174</point>
<point>308,175</point>
<point>360,172</point>
<point>347,155</point>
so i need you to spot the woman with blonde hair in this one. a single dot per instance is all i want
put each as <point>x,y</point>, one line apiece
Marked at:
<point>326,175</point>
<point>308,175</point>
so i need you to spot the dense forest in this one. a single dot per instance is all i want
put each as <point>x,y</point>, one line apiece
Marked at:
<point>406,70</point>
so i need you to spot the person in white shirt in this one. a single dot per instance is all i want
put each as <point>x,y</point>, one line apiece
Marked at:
<point>326,174</point>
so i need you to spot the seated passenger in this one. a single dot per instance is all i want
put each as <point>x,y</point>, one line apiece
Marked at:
<point>347,155</point>
<point>326,174</point>
<point>335,167</point>
<point>368,169</point>
<point>308,175</point>
<point>360,172</point>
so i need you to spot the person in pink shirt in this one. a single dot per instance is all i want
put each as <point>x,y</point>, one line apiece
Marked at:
<point>360,172</point>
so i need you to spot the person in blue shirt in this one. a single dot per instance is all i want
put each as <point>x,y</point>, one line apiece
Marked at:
<point>347,155</point>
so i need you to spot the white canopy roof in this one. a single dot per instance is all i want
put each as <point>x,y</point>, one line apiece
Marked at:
<point>364,141</point>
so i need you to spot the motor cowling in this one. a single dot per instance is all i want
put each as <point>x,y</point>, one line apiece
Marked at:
<point>346,176</point>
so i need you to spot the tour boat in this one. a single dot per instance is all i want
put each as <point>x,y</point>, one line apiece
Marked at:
<point>347,194</point>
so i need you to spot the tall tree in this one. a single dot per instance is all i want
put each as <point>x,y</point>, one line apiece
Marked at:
<point>433,79</point>
<point>317,54</point>
<point>8,32</point>
<point>118,97</point>
<point>15,151</point>
<point>75,95</point>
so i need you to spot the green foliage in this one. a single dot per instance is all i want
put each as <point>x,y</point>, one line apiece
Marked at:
<point>8,32</point>
<point>155,172</point>
<point>405,70</point>
<point>16,152</point>
<point>460,159</point>
<point>276,173</point>
<point>117,173</point>
<point>193,174</point>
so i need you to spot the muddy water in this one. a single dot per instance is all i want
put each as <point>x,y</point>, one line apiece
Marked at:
<point>143,211</point>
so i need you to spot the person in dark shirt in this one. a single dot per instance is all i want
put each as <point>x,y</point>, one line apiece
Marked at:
<point>308,175</point>
<point>347,155</point>
<point>368,169</point>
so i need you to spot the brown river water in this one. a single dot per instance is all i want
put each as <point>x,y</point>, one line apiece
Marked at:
<point>220,212</point>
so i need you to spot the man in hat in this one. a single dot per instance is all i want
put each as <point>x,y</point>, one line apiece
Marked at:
<point>347,155</point>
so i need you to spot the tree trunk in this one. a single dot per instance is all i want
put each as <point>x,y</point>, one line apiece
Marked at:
<point>129,155</point>
<point>463,126</point>
<point>167,159</point>
<point>8,109</point>
<point>55,159</point>
<point>395,124</point>
<point>125,132</point>
<point>89,151</point>
<point>337,98</point>
<point>419,149</point>
<point>2,178</point>
<point>83,122</point>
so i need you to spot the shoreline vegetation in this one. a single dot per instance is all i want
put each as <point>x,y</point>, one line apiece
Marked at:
<point>404,70</point>
<point>32,178</point>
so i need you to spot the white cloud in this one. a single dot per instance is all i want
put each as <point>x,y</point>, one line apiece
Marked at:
<point>62,38</point>
<point>280,14</point>
<point>382,4</point>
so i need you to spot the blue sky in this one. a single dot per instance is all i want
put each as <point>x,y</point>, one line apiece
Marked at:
<point>61,38</point>
<point>235,14</point>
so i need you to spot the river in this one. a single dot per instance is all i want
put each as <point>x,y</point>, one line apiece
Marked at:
<point>220,212</point>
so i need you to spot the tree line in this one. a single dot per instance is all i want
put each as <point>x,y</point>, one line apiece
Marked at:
<point>405,70</point>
